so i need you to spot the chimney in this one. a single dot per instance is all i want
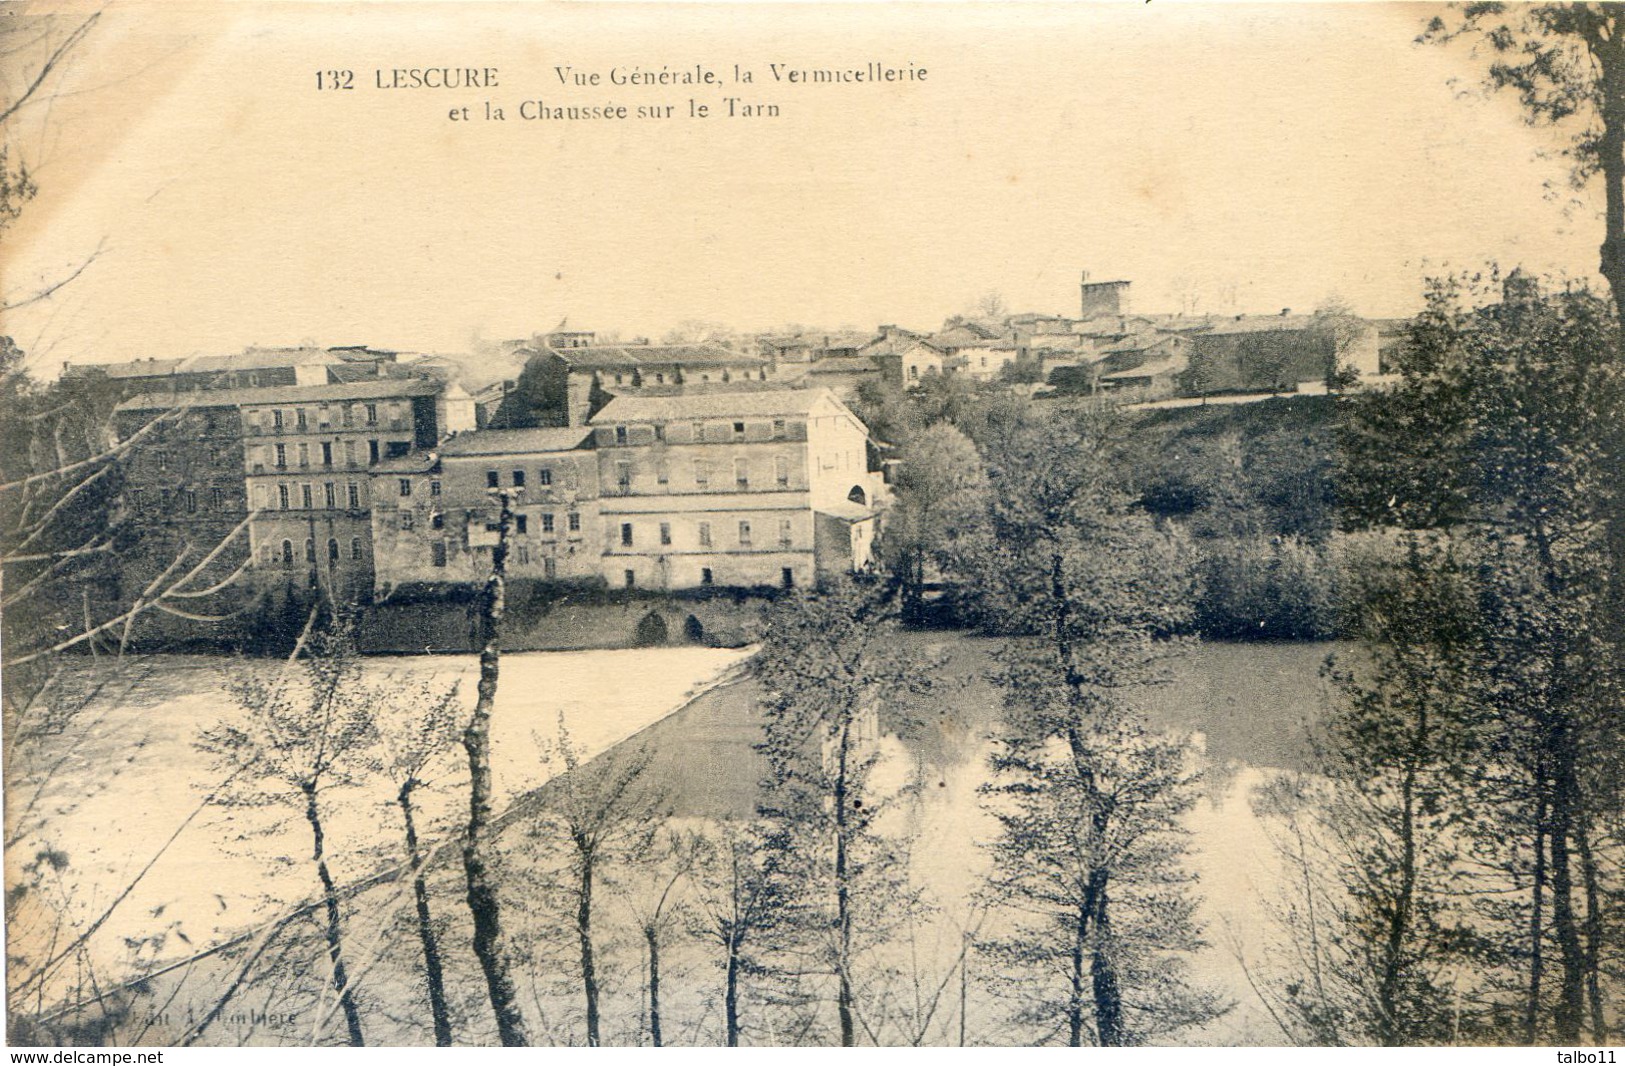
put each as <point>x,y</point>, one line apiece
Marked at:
<point>1285,311</point>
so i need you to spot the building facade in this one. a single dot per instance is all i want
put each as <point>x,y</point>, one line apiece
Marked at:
<point>435,514</point>
<point>738,489</point>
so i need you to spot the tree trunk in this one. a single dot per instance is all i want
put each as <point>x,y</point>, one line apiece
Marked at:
<point>1610,55</point>
<point>482,897</point>
<point>335,935</point>
<point>589,974</point>
<point>843,901</point>
<point>1108,995</point>
<point>1571,990</point>
<point>1078,996</point>
<point>652,937</point>
<point>433,973</point>
<point>1537,894</point>
<point>1593,933</point>
<point>1390,1033</point>
<point>730,994</point>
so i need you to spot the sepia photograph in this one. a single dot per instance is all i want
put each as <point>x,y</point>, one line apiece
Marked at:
<point>953,525</point>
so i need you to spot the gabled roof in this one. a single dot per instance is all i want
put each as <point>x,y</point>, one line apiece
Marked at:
<point>634,356</point>
<point>370,389</point>
<point>779,402</point>
<point>1172,364</point>
<point>514,441</point>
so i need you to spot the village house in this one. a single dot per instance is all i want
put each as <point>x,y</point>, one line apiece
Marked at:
<point>736,489</point>
<point>1269,352</point>
<point>924,358</point>
<point>565,378</point>
<point>435,515</point>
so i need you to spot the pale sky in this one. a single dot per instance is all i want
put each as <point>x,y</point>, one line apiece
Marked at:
<point>1252,157</point>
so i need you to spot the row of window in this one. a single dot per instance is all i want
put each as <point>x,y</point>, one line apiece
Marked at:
<point>493,479</point>
<point>184,499</point>
<point>637,378</point>
<point>703,474</point>
<point>703,534</point>
<point>696,431</point>
<point>787,577</point>
<point>521,523</point>
<point>270,555</point>
<point>326,453</point>
<point>300,420</point>
<point>308,496</point>
<point>521,553</point>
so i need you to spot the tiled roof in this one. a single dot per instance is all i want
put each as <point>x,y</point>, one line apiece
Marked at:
<point>514,441</point>
<point>1261,324</point>
<point>370,389</point>
<point>411,463</point>
<point>710,405</point>
<point>1172,364</point>
<point>629,356</point>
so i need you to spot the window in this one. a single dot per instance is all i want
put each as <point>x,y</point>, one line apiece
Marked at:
<point>620,434</point>
<point>163,499</point>
<point>332,551</point>
<point>324,417</point>
<point>781,471</point>
<point>705,534</point>
<point>398,448</point>
<point>787,578</point>
<point>518,479</point>
<point>276,420</point>
<point>348,415</point>
<point>784,532</point>
<point>304,496</point>
<point>406,486</point>
<point>299,419</point>
<point>544,477</point>
<point>626,534</point>
<point>349,451</point>
<point>304,455</point>
<point>353,491</point>
<point>630,577</point>
<point>287,553</point>
<point>267,555</point>
<point>778,429</point>
<point>575,522</point>
<point>665,532</point>
<point>330,496</point>
<point>327,453</point>
<point>190,499</point>
<point>521,524</point>
<point>663,474</point>
<point>217,499</point>
<point>437,521</point>
<point>660,433</point>
<point>698,430</point>
<point>135,499</point>
<point>620,379</point>
<point>742,473</point>
<point>253,419</point>
<point>702,474</point>
<point>437,553</point>
<point>310,550</point>
<point>492,479</point>
<point>355,542</point>
<point>282,457</point>
<point>547,522</point>
<point>282,497</point>
<point>623,476</point>
<point>434,488</point>
<point>705,575</point>
<point>660,379</point>
<point>739,430</point>
<point>372,414</point>
<point>744,534</point>
<point>407,519</point>
<point>372,451</point>
<point>522,552</point>
<point>550,567</point>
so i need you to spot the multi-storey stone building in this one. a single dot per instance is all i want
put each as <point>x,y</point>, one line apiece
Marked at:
<point>739,489</point>
<point>434,517</point>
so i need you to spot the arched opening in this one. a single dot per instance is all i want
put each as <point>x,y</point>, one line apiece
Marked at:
<point>332,551</point>
<point>858,496</point>
<point>287,553</point>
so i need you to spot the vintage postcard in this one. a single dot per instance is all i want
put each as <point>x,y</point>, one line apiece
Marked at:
<point>597,524</point>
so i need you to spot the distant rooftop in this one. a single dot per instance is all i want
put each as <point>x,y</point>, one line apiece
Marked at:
<point>633,356</point>
<point>248,359</point>
<point>711,405</point>
<point>371,389</point>
<point>514,441</point>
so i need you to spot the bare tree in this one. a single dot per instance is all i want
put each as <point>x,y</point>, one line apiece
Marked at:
<point>290,747</point>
